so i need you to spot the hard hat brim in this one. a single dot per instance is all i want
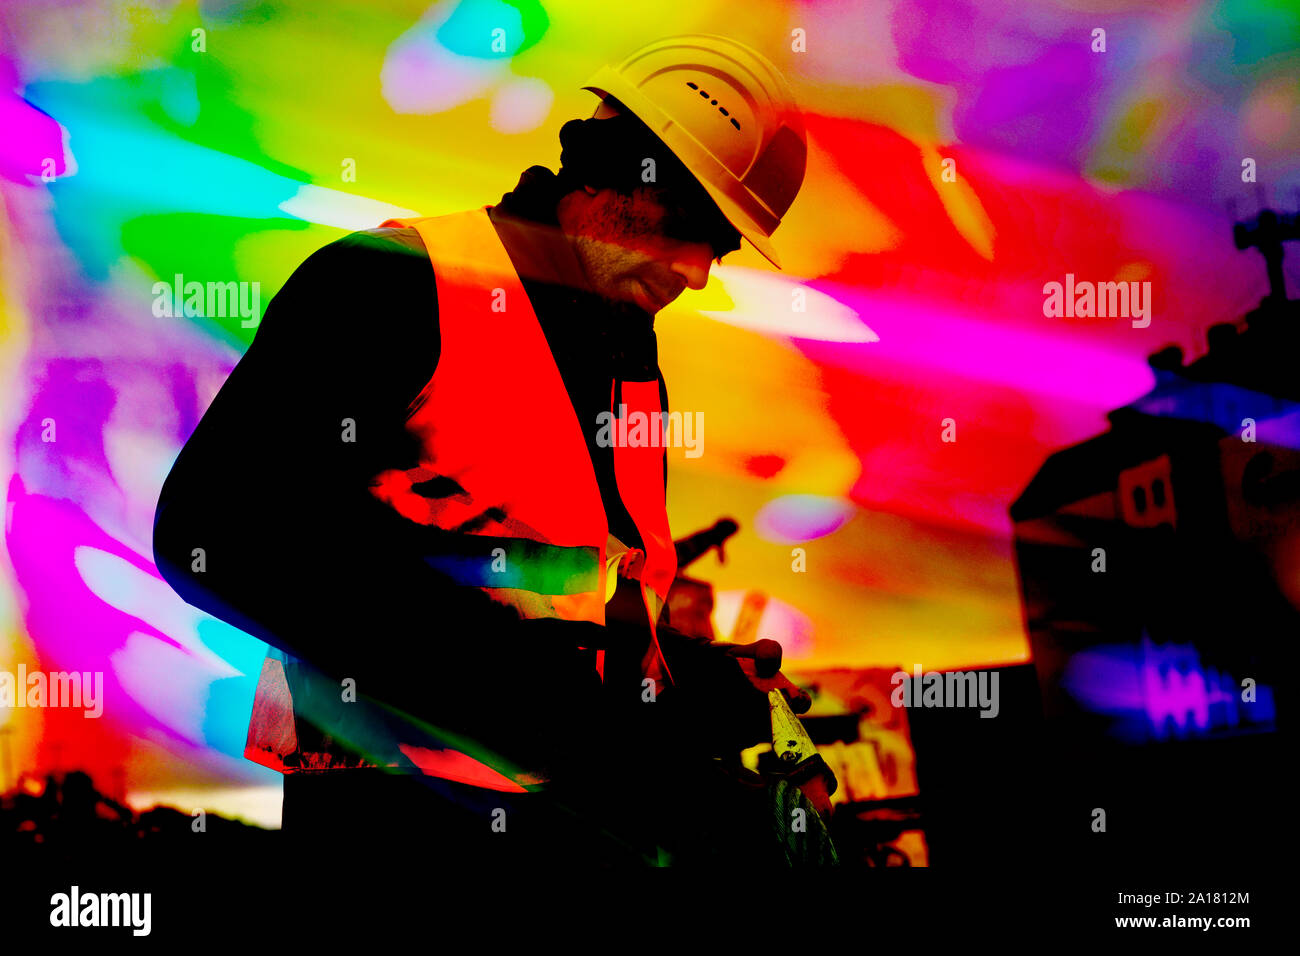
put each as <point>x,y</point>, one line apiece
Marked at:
<point>745,224</point>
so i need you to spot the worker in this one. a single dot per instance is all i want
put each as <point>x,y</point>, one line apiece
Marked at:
<point>402,489</point>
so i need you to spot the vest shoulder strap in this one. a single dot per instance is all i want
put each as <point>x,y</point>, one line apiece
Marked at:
<point>464,244</point>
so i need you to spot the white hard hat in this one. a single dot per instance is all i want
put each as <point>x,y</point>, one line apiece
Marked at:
<point>728,114</point>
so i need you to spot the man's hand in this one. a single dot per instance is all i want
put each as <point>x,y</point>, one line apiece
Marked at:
<point>761,663</point>
<point>722,688</point>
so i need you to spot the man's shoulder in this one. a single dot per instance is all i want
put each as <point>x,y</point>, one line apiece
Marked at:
<point>381,256</point>
<point>380,240</point>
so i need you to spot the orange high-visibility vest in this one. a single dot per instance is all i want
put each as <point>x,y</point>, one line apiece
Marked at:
<point>504,469</point>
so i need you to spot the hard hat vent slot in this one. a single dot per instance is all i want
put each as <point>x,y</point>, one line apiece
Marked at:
<point>712,102</point>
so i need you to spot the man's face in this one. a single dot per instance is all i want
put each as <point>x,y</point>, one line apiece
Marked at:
<point>643,248</point>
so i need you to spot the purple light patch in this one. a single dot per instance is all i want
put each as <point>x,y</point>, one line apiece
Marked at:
<point>420,76</point>
<point>1159,692</point>
<point>796,518</point>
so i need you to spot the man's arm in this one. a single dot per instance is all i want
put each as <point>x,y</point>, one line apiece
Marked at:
<point>295,550</point>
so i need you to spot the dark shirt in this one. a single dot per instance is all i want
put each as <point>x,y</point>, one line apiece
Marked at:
<point>297,551</point>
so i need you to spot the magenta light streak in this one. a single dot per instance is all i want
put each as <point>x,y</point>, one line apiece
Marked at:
<point>71,627</point>
<point>942,343</point>
<point>30,138</point>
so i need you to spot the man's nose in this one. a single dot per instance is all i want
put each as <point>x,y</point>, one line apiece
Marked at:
<point>691,261</point>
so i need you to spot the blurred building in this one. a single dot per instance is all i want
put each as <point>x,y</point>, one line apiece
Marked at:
<point>1160,570</point>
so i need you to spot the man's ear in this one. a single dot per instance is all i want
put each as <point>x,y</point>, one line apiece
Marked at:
<point>591,190</point>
